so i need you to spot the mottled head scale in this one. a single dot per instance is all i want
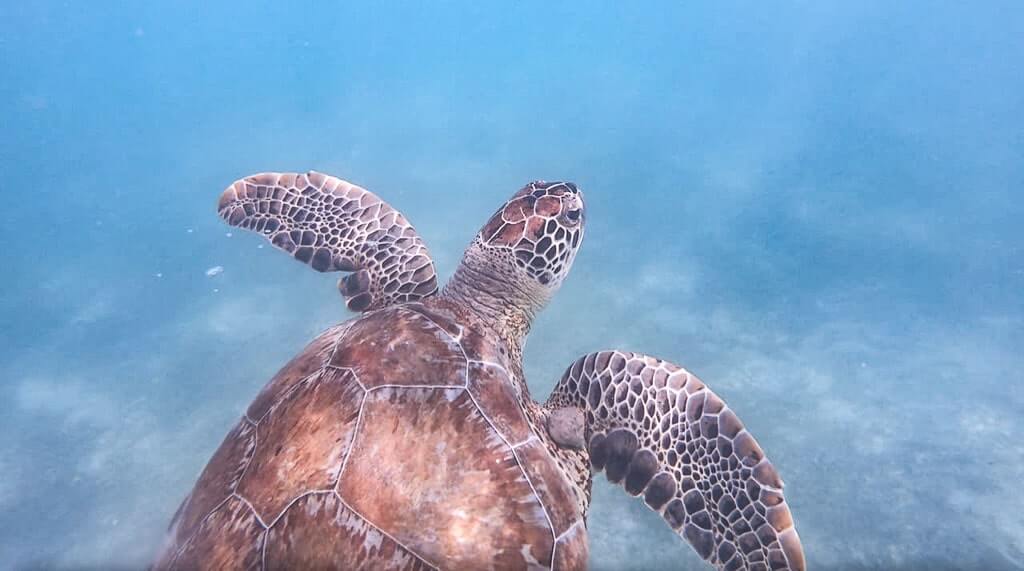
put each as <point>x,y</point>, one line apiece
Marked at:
<point>541,226</point>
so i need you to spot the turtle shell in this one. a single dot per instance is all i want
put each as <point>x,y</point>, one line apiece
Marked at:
<point>394,441</point>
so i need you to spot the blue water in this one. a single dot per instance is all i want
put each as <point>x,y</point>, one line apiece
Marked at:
<point>817,207</point>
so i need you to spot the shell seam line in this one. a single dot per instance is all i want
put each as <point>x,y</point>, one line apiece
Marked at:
<point>522,469</point>
<point>386,534</point>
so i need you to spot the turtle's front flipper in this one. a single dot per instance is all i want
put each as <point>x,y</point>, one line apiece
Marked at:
<point>333,225</point>
<point>657,430</point>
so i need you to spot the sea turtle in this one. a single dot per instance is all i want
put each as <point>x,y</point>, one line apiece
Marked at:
<point>406,438</point>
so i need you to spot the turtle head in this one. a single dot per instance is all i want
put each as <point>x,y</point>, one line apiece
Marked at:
<point>540,228</point>
<point>523,253</point>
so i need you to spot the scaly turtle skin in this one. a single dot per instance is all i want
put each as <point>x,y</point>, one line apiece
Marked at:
<point>407,438</point>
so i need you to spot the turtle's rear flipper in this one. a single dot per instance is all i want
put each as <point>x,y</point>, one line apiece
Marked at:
<point>658,431</point>
<point>334,225</point>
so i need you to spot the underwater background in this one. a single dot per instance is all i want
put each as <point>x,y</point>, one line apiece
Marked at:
<point>815,206</point>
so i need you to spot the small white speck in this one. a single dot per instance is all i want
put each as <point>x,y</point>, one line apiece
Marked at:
<point>215,290</point>
<point>259,246</point>
<point>863,365</point>
<point>99,223</point>
<point>189,230</point>
<point>159,274</point>
<point>215,270</point>
<point>228,234</point>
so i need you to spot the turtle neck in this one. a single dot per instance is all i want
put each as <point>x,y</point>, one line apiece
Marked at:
<point>493,290</point>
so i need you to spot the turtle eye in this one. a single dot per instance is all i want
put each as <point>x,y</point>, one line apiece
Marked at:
<point>573,216</point>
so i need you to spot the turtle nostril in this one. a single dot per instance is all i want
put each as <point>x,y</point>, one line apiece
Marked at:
<point>573,215</point>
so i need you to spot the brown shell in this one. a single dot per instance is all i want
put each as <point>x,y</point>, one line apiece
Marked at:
<point>394,441</point>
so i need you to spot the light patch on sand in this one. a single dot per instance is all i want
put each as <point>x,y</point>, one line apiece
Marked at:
<point>679,278</point>
<point>985,422</point>
<point>96,308</point>
<point>242,317</point>
<point>71,400</point>
<point>834,410</point>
